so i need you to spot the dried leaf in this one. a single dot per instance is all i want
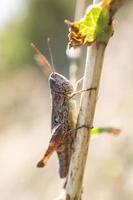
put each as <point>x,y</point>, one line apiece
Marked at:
<point>93,27</point>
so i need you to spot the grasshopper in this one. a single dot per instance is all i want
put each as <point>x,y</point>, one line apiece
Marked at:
<point>63,118</point>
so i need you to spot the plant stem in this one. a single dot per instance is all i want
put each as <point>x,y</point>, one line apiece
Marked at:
<point>75,54</point>
<point>92,76</point>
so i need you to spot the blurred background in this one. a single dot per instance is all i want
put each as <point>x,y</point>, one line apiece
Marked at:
<point>25,104</point>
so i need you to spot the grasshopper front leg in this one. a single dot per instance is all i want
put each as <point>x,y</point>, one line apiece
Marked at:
<point>57,137</point>
<point>80,91</point>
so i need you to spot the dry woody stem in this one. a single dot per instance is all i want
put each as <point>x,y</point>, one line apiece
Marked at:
<point>87,107</point>
<point>92,75</point>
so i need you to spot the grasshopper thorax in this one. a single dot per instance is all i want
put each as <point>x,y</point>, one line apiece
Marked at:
<point>60,84</point>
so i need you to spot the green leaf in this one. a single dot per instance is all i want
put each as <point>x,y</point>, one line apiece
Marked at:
<point>95,25</point>
<point>102,130</point>
<point>88,27</point>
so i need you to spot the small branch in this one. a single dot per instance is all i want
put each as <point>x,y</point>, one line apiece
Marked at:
<point>88,101</point>
<point>75,54</point>
<point>92,75</point>
<point>79,10</point>
<point>115,5</point>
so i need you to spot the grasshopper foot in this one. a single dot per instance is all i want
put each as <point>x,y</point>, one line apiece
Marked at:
<point>40,164</point>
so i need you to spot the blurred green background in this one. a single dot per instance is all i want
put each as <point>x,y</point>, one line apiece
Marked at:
<point>25,104</point>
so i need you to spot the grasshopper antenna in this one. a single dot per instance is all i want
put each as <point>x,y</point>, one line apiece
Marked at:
<point>50,52</point>
<point>43,60</point>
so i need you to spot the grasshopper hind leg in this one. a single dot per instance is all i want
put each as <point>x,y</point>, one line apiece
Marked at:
<point>64,161</point>
<point>55,141</point>
<point>52,147</point>
<point>64,152</point>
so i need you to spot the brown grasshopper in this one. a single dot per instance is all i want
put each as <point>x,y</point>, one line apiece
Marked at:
<point>63,118</point>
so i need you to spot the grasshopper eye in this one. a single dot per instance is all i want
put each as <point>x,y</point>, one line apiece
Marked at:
<point>56,119</point>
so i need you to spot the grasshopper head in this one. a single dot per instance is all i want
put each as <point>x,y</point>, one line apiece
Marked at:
<point>60,84</point>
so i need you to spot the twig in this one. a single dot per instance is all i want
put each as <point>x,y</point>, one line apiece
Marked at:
<point>88,101</point>
<point>93,68</point>
<point>75,54</point>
